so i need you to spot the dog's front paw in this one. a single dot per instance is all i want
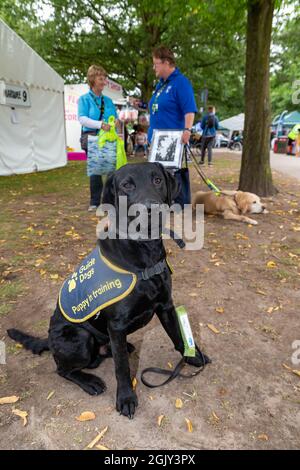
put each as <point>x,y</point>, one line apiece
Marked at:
<point>250,221</point>
<point>127,402</point>
<point>199,360</point>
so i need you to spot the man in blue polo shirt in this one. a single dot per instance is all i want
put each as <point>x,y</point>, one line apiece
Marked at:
<point>172,105</point>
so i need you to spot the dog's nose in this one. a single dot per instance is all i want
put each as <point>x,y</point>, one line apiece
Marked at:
<point>150,202</point>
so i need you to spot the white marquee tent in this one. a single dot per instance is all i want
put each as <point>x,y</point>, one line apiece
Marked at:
<point>32,125</point>
<point>235,123</point>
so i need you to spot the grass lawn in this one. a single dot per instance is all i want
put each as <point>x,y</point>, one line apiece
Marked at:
<point>242,294</point>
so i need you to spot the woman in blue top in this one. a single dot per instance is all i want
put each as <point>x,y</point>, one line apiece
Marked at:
<point>94,110</point>
<point>172,105</point>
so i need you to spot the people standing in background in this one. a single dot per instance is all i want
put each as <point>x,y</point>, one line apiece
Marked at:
<point>209,124</point>
<point>94,109</point>
<point>218,140</point>
<point>140,140</point>
<point>172,105</point>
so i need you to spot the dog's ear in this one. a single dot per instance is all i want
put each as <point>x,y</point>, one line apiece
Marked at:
<point>110,192</point>
<point>242,202</point>
<point>173,187</point>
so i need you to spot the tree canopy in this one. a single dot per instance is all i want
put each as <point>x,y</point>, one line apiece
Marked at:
<point>208,37</point>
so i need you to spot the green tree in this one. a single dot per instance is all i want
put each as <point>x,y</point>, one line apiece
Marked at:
<point>285,65</point>
<point>207,38</point>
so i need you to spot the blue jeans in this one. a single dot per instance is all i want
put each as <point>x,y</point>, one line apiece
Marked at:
<point>96,187</point>
<point>138,147</point>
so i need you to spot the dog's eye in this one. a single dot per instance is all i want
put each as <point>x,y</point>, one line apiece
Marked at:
<point>157,180</point>
<point>254,202</point>
<point>128,185</point>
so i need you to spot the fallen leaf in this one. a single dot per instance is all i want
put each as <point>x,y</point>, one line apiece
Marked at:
<point>21,414</point>
<point>200,284</point>
<point>100,447</point>
<point>213,328</point>
<point>189,425</point>
<point>8,400</point>
<point>97,438</point>
<point>296,229</point>
<point>286,367</point>
<point>241,236</point>
<point>134,383</point>
<point>178,403</point>
<point>39,262</point>
<point>297,372</point>
<point>50,395</point>
<point>53,276</point>
<point>261,292</point>
<point>191,395</point>
<point>160,419</point>
<point>170,365</point>
<point>220,310</point>
<point>263,437</point>
<point>271,264</point>
<point>215,417</point>
<point>86,416</point>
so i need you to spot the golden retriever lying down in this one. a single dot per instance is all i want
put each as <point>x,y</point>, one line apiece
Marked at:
<point>231,205</point>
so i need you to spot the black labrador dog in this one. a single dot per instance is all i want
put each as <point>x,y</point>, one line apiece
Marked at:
<point>75,347</point>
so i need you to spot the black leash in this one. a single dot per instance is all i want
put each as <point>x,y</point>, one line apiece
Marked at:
<point>172,373</point>
<point>200,172</point>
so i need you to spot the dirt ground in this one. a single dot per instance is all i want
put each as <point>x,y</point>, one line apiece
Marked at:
<point>244,284</point>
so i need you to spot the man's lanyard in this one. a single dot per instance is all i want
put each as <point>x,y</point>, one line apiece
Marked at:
<point>157,95</point>
<point>100,107</point>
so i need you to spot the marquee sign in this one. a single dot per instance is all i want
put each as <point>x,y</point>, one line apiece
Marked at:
<point>14,95</point>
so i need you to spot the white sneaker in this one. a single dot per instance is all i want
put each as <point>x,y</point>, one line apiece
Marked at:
<point>92,208</point>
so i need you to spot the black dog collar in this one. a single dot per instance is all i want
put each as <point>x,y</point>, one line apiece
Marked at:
<point>158,268</point>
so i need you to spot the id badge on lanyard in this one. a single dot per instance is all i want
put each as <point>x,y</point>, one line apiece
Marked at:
<point>154,107</point>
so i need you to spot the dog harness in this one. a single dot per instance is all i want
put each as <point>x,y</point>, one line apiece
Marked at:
<point>98,283</point>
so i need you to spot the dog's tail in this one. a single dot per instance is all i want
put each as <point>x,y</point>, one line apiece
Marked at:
<point>36,345</point>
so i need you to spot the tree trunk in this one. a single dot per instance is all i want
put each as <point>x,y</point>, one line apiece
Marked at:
<point>147,82</point>
<point>256,175</point>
